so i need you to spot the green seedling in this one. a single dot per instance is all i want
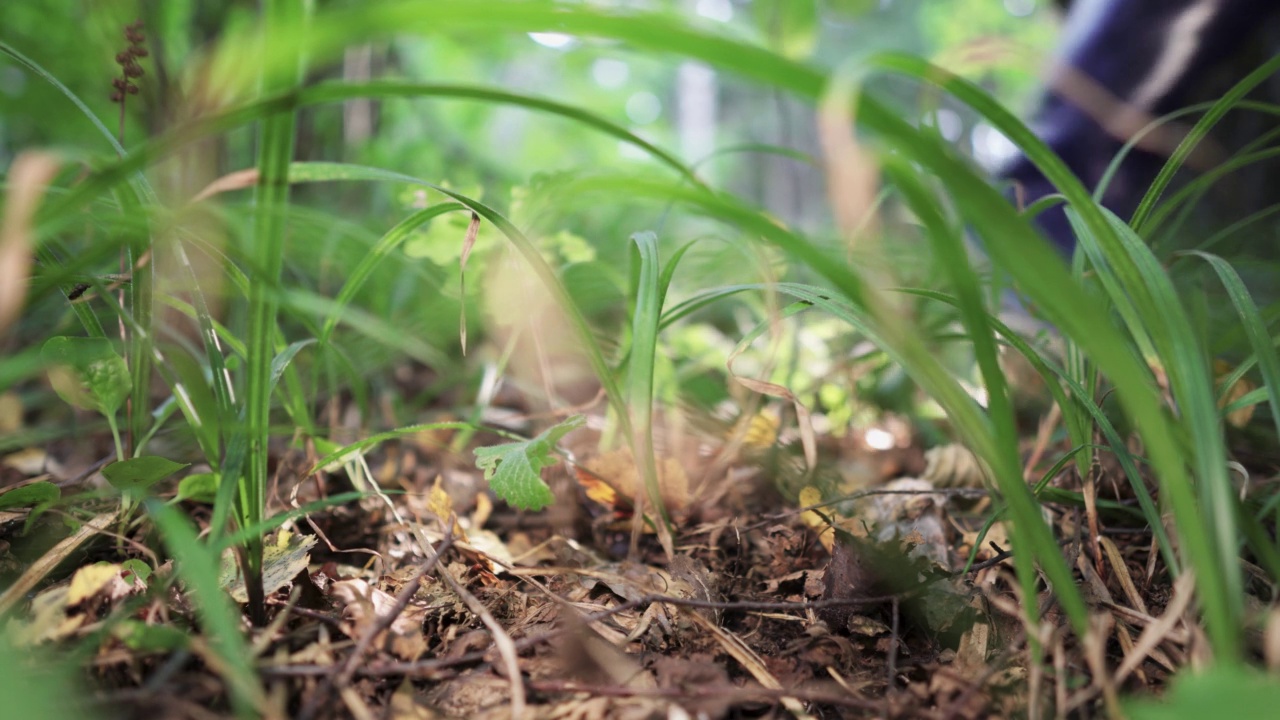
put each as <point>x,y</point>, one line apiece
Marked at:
<point>513,469</point>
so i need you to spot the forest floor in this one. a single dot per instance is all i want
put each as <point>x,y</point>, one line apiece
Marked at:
<point>427,599</point>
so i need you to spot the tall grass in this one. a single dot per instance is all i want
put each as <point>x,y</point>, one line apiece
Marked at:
<point>1183,443</point>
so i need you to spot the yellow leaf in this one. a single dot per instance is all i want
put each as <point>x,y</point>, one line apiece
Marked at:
<point>89,580</point>
<point>441,505</point>
<point>810,495</point>
<point>1241,416</point>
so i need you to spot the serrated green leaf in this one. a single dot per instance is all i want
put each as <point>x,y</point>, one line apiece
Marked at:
<point>514,469</point>
<point>140,473</point>
<point>98,379</point>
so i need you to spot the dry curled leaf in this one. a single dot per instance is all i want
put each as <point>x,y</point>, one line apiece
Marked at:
<point>363,604</point>
<point>613,477</point>
<point>955,466</point>
<point>27,179</point>
<point>1241,387</point>
<point>441,505</point>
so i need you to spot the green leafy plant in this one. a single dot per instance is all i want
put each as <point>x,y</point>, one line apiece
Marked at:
<point>513,469</point>
<point>1117,308</point>
<point>87,373</point>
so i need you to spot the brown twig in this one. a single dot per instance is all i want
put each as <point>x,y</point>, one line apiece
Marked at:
<point>892,662</point>
<point>420,668</point>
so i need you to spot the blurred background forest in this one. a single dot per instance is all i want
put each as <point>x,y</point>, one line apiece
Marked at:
<point>671,226</point>
<point>756,143</point>
<point>689,108</point>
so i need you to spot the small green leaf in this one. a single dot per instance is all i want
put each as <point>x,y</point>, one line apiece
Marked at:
<point>140,473</point>
<point>281,361</point>
<point>199,487</point>
<point>1220,691</point>
<point>137,635</point>
<point>87,373</point>
<point>37,496</point>
<point>513,469</point>
<point>33,495</point>
<point>135,570</point>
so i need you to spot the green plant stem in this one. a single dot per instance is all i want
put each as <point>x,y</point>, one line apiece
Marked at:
<point>275,150</point>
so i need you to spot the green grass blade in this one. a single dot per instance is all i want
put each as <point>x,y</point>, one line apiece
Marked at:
<point>281,18</point>
<point>1188,145</point>
<point>1017,249</point>
<point>388,242</point>
<point>644,348</point>
<point>1259,336</point>
<point>198,567</point>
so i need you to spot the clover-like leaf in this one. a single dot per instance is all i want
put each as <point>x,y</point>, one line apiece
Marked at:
<point>87,373</point>
<point>514,469</point>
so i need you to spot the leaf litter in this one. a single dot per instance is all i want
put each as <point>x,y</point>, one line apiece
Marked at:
<point>841,597</point>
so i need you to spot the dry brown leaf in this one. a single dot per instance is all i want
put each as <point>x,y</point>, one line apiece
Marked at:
<point>10,412</point>
<point>239,180</point>
<point>484,508</point>
<point>28,177</point>
<point>853,174</point>
<point>441,505</point>
<point>363,604</point>
<point>28,461</point>
<point>490,548</point>
<point>59,612</point>
<point>955,466</point>
<point>617,469</point>
<point>16,592</point>
<point>98,579</point>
